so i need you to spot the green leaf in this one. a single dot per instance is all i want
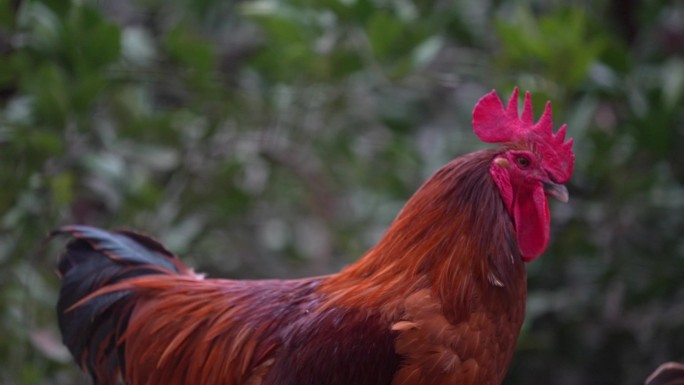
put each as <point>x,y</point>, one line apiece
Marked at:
<point>385,33</point>
<point>50,88</point>
<point>192,52</point>
<point>102,46</point>
<point>288,50</point>
<point>426,51</point>
<point>62,188</point>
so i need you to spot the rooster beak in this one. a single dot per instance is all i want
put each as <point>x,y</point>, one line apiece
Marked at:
<point>557,191</point>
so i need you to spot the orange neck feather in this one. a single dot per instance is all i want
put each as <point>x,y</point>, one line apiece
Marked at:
<point>453,235</point>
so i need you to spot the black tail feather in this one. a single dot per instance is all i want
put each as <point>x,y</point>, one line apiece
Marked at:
<point>92,260</point>
<point>131,247</point>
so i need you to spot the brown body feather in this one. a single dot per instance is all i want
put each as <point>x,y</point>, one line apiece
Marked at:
<point>439,300</point>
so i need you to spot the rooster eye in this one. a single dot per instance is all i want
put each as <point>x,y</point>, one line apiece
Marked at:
<point>522,162</point>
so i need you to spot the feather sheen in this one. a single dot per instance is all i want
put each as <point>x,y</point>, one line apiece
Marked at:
<point>440,299</point>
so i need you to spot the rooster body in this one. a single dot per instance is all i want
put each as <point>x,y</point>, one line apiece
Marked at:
<point>439,300</point>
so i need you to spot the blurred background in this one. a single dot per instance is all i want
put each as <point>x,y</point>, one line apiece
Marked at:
<point>280,138</point>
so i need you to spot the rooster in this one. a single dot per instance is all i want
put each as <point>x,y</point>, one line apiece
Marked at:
<point>439,300</point>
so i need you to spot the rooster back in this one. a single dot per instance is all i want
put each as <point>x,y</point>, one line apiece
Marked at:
<point>128,307</point>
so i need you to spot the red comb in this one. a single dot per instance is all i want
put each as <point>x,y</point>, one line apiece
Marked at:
<point>494,124</point>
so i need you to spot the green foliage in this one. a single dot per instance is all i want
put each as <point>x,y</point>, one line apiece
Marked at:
<point>559,46</point>
<point>270,138</point>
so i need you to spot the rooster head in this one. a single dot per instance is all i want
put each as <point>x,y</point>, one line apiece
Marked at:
<point>534,163</point>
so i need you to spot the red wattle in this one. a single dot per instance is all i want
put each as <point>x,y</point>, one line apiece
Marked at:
<point>532,222</point>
